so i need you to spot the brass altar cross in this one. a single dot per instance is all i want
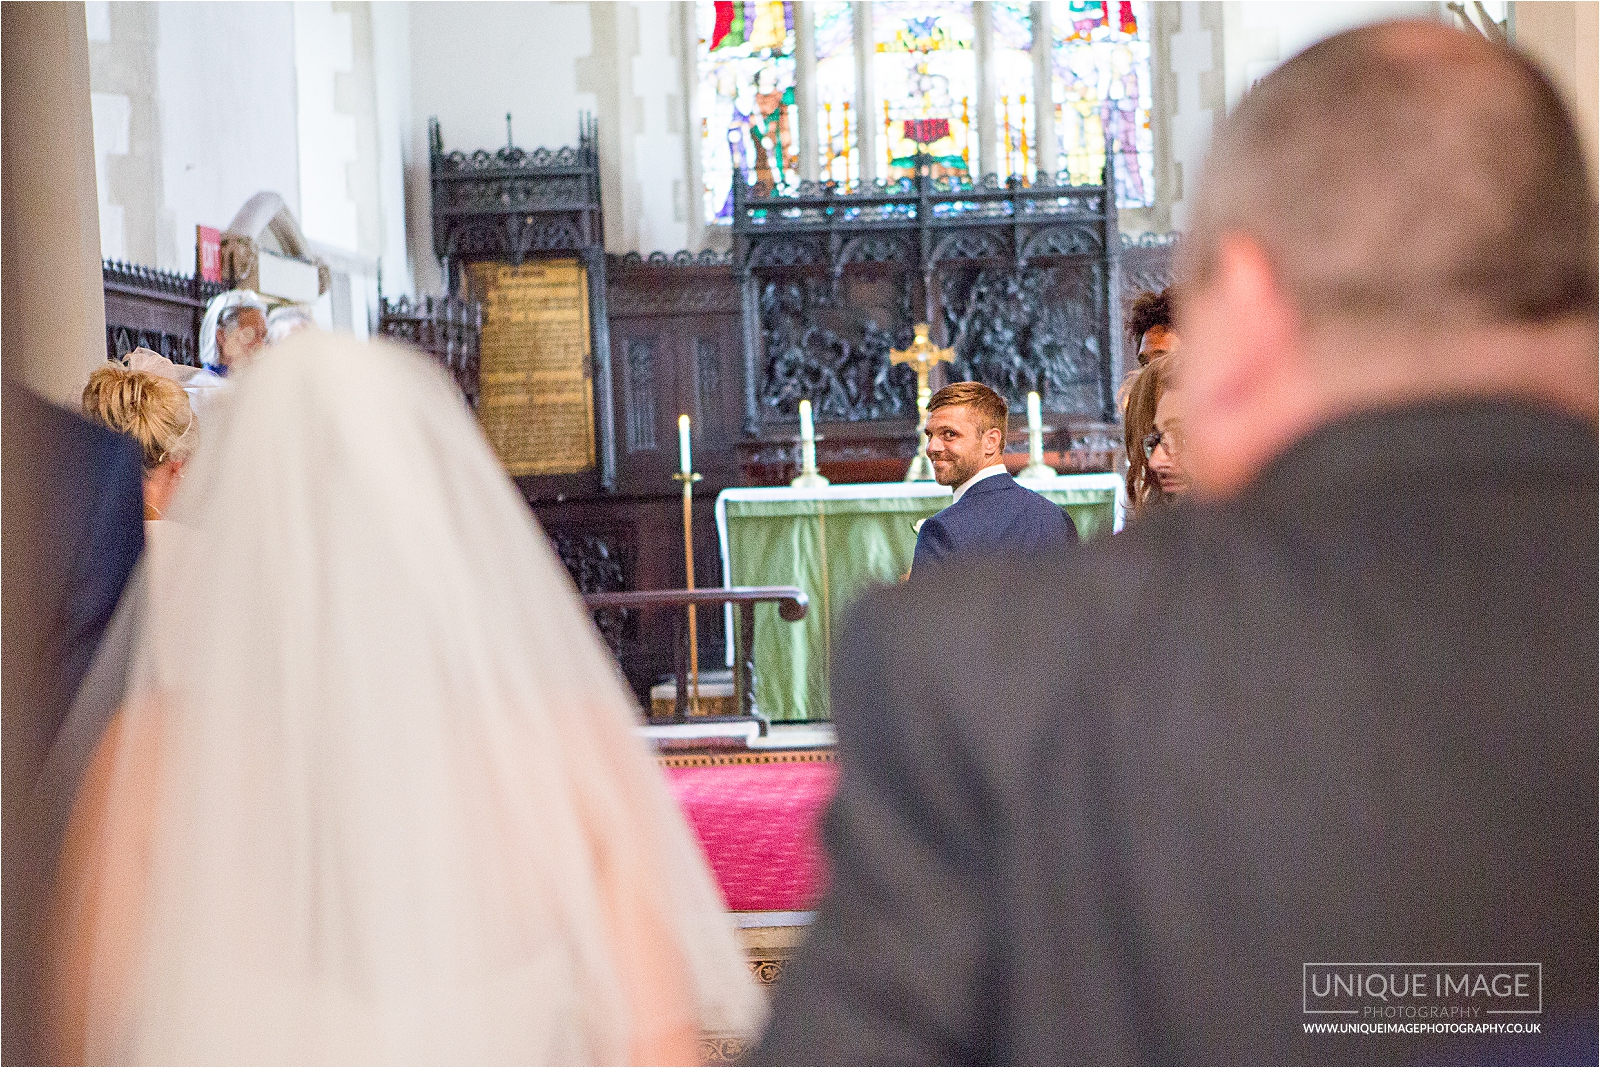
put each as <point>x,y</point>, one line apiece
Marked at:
<point>922,352</point>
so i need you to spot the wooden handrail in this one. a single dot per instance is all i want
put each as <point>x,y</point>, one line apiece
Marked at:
<point>792,601</point>
<point>792,604</point>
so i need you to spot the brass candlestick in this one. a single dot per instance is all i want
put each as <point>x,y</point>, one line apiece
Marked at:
<point>924,354</point>
<point>689,479</point>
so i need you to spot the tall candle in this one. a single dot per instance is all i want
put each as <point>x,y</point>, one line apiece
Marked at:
<point>684,463</point>
<point>1035,431</point>
<point>808,439</point>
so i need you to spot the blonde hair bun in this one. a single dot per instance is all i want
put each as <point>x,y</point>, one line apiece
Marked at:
<point>152,410</point>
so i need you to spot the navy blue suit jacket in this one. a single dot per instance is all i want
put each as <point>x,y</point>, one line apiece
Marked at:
<point>74,526</point>
<point>995,515</point>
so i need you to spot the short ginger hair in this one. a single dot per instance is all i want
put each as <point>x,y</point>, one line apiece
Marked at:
<point>152,410</point>
<point>988,406</point>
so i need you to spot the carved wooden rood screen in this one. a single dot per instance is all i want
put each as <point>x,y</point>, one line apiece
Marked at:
<point>1019,280</point>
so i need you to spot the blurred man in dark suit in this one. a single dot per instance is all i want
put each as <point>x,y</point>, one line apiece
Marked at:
<point>1335,718</point>
<point>73,529</point>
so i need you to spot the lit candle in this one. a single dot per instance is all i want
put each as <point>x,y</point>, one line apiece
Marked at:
<point>1035,431</point>
<point>684,463</point>
<point>808,438</point>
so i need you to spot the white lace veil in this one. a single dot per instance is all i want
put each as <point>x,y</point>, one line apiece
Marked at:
<point>398,774</point>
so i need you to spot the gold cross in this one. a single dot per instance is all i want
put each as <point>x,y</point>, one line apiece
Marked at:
<point>922,352</point>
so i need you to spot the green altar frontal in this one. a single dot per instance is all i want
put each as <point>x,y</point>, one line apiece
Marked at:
<point>833,543</point>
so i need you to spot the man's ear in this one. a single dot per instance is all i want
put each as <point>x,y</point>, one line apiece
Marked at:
<point>1241,367</point>
<point>999,439</point>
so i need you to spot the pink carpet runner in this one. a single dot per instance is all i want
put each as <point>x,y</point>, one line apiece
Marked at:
<point>758,824</point>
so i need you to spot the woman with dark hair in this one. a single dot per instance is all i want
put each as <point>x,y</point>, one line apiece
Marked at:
<point>1150,324</point>
<point>1152,430</point>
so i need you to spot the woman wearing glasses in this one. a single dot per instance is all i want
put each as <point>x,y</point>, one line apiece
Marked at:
<point>1153,435</point>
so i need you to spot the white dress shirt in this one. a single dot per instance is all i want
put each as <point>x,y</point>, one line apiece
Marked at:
<point>992,469</point>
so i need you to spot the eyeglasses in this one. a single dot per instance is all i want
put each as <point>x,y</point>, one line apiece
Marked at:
<point>1153,440</point>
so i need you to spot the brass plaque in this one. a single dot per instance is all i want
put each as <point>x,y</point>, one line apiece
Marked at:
<point>537,390</point>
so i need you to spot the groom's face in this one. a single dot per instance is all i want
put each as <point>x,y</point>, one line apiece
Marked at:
<point>956,446</point>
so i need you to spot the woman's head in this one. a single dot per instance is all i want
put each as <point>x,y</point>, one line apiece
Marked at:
<point>1153,434</point>
<point>155,412</point>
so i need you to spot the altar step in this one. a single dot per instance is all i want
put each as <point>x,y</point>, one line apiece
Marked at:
<point>742,735</point>
<point>716,696</point>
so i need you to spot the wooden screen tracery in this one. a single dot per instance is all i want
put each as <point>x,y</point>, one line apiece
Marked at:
<point>1020,280</point>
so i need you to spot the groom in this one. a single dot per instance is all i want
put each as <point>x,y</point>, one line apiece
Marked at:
<point>991,513</point>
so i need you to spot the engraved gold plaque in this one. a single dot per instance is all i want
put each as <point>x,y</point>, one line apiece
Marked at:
<point>536,377</point>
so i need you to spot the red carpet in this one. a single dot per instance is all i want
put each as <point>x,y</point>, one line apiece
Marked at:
<point>758,826</point>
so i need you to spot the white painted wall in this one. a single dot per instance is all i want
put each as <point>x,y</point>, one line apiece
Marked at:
<point>226,95</point>
<point>1294,25</point>
<point>391,62</point>
<point>326,138</point>
<point>473,63</point>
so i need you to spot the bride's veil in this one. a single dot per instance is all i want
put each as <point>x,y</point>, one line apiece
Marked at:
<point>394,778</point>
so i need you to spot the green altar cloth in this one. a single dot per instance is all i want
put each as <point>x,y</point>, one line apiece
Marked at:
<point>833,543</point>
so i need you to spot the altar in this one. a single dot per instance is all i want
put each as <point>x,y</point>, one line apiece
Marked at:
<point>833,543</point>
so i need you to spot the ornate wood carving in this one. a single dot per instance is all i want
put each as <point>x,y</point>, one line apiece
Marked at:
<point>1036,329</point>
<point>639,381</point>
<point>157,310</point>
<point>512,205</point>
<point>1146,265</point>
<point>447,328</point>
<point>819,346</point>
<point>601,562</point>
<point>953,252</point>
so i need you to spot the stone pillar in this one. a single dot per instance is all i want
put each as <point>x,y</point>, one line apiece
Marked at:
<point>54,321</point>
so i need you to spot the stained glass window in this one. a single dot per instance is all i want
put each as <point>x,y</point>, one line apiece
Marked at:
<point>748,119</point>
<point>1100,73</point>
<point>1011,58</point>
<point>925,75</point>
<point>838,116</point>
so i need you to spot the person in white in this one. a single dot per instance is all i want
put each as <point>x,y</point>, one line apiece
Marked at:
<point>396,812</point>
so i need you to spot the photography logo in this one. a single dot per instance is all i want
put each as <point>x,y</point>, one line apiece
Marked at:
<point>1410,997</point>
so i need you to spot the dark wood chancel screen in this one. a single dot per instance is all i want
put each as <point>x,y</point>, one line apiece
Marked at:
<point>153,309</point>
<point>1018,280</point>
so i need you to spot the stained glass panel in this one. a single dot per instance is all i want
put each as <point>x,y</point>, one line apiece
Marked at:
<point>925,76</point>
<point>1100,73</point>
<point>748,119</point>
<point>838,117</point>
<point>1012,57</point>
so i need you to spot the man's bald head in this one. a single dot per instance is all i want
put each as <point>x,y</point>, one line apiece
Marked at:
<point>1399,214</point>
<point>1407,173</point>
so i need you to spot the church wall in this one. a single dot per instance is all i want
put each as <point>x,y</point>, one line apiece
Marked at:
<point>200,106</point>
<point>208,92</point>
<point>473,62</point>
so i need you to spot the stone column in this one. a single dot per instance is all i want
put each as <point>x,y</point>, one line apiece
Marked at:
<point>54,319</point>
